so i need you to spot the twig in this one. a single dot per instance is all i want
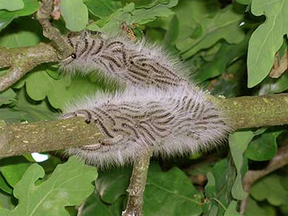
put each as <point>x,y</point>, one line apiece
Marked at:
<point>43,16</point>
<point>278,161</point>
<point>22,60</point>
<point>137,185</point>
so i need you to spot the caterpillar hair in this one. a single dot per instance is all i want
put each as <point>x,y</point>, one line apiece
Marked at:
<point>158,110</point>
<point>168,121</point>
<point>134,64</point>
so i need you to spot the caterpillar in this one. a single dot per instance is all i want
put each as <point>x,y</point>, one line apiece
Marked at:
<point>133,64</point>
<point>158,110</point>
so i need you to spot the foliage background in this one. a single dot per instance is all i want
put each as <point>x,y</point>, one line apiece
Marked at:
<point>230,48</point>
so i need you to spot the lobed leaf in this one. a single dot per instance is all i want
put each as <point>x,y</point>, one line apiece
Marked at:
<point>272,86</point>
<point>225,25</point>
<point>13,169</point>
<point>244,2</point>
<point>4,186</point>
<point>271,189</point>
<point>30,6</point>
<point>75,14</point>
<point>232,209</point>
<point>69,185</point>
<point>7,97</point>
<point>94,204</point>
<point>113,183</point>
<point>28,33</point>
<point>170,193</point>
<point>58,92</point>
<point>190,15</point>
<point>11,5</point>
<point>131,15</point>
<point>264,147</point>
<point>102,8</point>
<point>238,143</point>
<point>267,39</point>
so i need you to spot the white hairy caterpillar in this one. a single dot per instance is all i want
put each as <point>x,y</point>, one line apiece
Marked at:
<point>158,110</point>
<point>132,64</point>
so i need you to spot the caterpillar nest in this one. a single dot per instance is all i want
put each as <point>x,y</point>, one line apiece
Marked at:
<point>158,110</point>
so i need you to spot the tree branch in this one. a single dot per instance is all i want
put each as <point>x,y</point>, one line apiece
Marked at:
<point>43,16</point>
<point>137,185</point>
<point>254,111</point>
<point>19,139</point>
<point>22,60</point>
<point>242,112</point>
<point>278,161</point>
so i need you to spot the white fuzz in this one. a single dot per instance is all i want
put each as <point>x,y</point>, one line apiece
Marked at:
<point>159,108</point>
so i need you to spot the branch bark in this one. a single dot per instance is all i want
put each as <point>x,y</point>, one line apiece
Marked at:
<point>22,60</point>
<point>254,111</point>
<point>43,16</point>
<point>242,112</point>
<point>137,185</point>
<point>19,139</point>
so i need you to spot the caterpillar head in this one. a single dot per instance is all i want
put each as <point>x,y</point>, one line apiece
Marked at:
<point>85,46</point>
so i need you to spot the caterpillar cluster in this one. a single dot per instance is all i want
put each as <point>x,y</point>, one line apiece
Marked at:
<point>159,109</point>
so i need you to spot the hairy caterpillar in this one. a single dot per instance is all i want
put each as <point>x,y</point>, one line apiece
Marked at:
<point>117,58</point>
<point>158,110</point>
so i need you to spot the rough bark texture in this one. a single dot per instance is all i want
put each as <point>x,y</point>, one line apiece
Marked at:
<point>137,186</point>
<point>242,112</point>
<point>18,139</point>
<point>22,60</point>
<point>255,111</point>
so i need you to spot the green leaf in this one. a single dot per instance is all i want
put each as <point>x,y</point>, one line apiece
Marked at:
<point>143,16</point>
<point>254,209</point>
<point>238,143</point>
<point>11,5</point>
<point>7,97</point>
<point>244,2</point>
<point>59,92</point>
<point>231,210</point>
<point>6,201</point>
<point>113,183</point>
<point>4,185</point>
<point>272,86</point>
<point>130,15</point>
<point>94,204</point>
<point>219,64</point>
<point>224,174</point>
<point>30,6</point>
<point>31,111</point>
<point>271,189</point>
<point>210,188</point>
<point>263,147</point>
<point>102,8</point>
<point>13,169</point>
<point>75,14</point>
<point>21,33</point>
<point>170,193</point>
<point>266,39</point>
<point>10,116</point>
<point>148,3</point>
<point>69,185</point>
<point>225,25</point>
<point>190,14</point>
<point>171,34</point>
